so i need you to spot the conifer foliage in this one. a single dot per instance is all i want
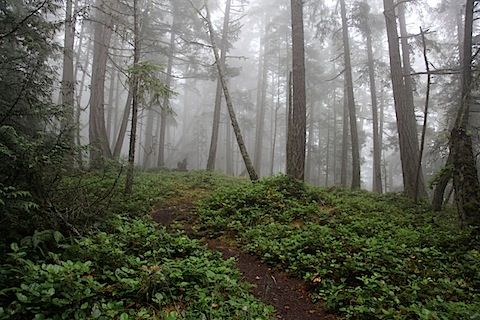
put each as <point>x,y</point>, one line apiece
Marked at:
<point>31,148</point>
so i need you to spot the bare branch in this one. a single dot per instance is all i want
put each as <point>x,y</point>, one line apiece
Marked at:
<point>338,75</point>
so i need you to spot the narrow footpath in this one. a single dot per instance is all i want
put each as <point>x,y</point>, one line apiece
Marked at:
<point>288,295</point>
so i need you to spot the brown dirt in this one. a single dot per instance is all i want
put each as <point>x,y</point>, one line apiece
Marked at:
<point>287,294</point>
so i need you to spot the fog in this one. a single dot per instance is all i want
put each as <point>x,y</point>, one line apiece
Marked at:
<point>257,50</point>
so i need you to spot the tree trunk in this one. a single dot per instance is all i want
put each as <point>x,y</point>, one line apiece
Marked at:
<point>446,175</point>
<point>406,122</point>
<point>212,153</point>
<point>80,90</point>
<point>111,100</point>
<point>298,128</point>
<point>126,114</point>
<point>236,128</point>
<point>351,101</point>
<point>465,176</point>
<point>327,160</point>
<point>68,81</point>
<point>135,98</point>
<point>407,67</point>
<point>97,130</point>
<point>229,150</point>
<point>123,126</point>
<point>377,149</point>
<point>308,164</point>
<point>166,99</point>
<point>344,160</point>
<point>261,100</point>
<point>218,94</point>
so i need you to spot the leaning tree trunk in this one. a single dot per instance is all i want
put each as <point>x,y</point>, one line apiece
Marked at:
<point>236,128</point>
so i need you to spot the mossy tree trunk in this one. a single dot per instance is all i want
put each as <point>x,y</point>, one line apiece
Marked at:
<point>465,177</point>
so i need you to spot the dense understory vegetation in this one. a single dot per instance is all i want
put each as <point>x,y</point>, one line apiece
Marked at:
<point>363,255</point>
<point>120,265</point>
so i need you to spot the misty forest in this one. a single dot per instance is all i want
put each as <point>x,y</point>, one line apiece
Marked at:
<point>239,159</point>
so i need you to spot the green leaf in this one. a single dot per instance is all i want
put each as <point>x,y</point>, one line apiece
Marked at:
<point>14,247</point>
<point>58,236</point>
<point>21,297</point>
<point>96,313</point>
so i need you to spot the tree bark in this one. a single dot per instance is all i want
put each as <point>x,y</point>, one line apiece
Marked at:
<point>377,149</point>
<point>261,100</point>
<point>126,112</point>
<point>465,176</point>
<point>97,130</point>
<point>123,126</point>
<point>68,81</point>
<point>236,128</point>
<point>356,181</point>
<point>344,157</point>
<point>297,129</point>
<point>166,99</point>
<point>406,122</point>
<point>309,144</point>
<point>218,94</point>
<point>405,47</point>
<point>446,175</point>
<point>135,99</point>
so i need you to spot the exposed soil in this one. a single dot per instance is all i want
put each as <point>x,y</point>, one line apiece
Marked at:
<point>272,286</point>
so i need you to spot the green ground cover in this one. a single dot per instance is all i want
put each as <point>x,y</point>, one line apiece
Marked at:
<point>365,256</point>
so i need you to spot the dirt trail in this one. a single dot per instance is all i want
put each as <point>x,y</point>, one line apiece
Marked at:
<point>288,295</point>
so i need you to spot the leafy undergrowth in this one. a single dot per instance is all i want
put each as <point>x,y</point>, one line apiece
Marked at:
<point>366,256</point>
<point>134,271</point>
<point>95,197</point>
<point>124,267</point>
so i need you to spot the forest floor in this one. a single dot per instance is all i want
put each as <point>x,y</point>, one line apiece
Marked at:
<point>273,286</point>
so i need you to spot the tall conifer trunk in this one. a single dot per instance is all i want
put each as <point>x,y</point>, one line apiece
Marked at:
<point>297,128</point>
<point>406,122</point>
<point>97,130</point>
<point>218,94</point>
<point>351,101</point>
